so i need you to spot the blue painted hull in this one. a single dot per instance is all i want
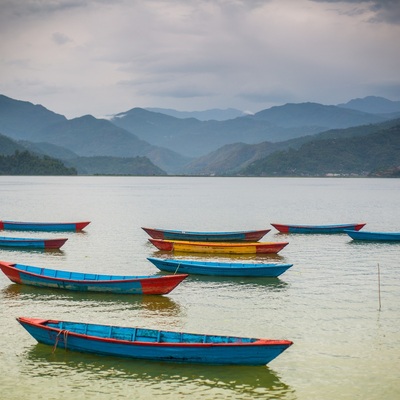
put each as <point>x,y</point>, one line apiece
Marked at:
<point>153,344</point>
<point>338,228</point>
<point>31,243</point>
<point>218,268</point>
<point>43,226</point>
<point>374,236</point>
<point>83,282</point>
<point>239,236</point>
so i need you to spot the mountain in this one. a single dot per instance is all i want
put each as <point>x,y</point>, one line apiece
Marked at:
<point>359,155</point>
<point>21,119</point>
<point>232,158</point>
<point>207,115</point>
<point>373,105</point>
<point>85,136</point>
<point>195,138</point>
<point>9,146</point>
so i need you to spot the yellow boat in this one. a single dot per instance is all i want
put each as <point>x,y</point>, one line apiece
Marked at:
<point>218,247</point>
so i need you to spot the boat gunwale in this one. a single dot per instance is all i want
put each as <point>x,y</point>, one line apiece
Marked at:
<point>93,281</point>
<point>257,341</point>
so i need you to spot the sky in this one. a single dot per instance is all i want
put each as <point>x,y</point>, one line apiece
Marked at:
<point>102,57</point>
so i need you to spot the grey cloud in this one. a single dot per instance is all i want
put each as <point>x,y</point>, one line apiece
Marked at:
<point>60,38</point>
<point>385,10</point>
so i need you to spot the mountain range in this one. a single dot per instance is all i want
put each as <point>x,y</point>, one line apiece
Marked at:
<point>158,143</point>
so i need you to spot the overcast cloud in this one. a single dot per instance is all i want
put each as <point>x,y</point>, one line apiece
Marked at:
<point>100,57</point>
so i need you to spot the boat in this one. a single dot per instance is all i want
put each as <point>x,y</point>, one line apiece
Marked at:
<point>166,234</point>
<point>43,226</point>
<point>86,282</point>
<point>339,228</point>
<point>219,268</point>
<point>374,236</point>
<point>153,344</point>
<point>218,247</point>
<point>32,243</point>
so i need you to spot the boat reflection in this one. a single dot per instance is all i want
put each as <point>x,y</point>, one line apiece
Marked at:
<point>236,381</point>
<point>260,258</point>
<point>146,303</point>
<point>245,283</point>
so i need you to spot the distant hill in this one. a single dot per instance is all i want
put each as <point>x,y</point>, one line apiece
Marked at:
<point>138,166</point>
<point>22,120</point>
<point>25,163</point>
<point>207,115</point>
<point>373,105</point>
<point>9,146</point>
<point>195,138</point>
<point>348,156</point>
<point>232,158</point>
<point>85,136</point>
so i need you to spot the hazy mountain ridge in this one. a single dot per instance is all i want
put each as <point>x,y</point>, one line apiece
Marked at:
<point>227,146</point>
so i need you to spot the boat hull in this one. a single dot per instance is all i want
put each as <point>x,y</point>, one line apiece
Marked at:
<point>77,281</point>
<point>219,269</point>
<point>32,243</point>
<point>240,236</point>
<point>374,236</point>
<point>43,226</point>
<point>219,247</point>
<point>316,228</point>
<point>151,344</point>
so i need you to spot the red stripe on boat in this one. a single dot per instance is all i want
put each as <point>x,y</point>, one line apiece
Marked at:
<point>1,225</point>
<point>163,284</point>
<point>10,272</point>
<point>54,243</point>
<point>358,227</point>
<point>80,225</point>
<point>281,228</point>
<point>162,245</point>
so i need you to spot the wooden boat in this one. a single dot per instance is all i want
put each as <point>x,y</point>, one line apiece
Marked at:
<point>43,226</point>
<point>241,236</point>
<point>79,281</point>
<point>152,344</point>
<point>219,247</point>
<point>374,236</point>
<point>219,268</point>
<point>317,228</point>
<point>32,243</point>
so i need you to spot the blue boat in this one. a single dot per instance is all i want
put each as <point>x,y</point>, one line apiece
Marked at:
<point>374,236</point>
<point>235,236</point>
<point>337,228</point>
<point>84,282</point>
<point>43,226</point>
<point>32,243</point>
<point>219,268</point>
<point>152,344</point>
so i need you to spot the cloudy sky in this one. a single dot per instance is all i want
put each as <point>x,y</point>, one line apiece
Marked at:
<point>101,57</point>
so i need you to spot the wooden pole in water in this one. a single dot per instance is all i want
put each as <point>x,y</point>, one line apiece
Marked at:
<point>379,286</point>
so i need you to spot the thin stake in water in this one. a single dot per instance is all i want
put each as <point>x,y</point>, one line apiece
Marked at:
<point>379,286</point>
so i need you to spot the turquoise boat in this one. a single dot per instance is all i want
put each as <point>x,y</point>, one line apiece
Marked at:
<point>219,268</point>
<point>153,344</point>
<point>31,243</point>
<point>337,228</point>
<point>87,282</point>
<point>374,236</point>
<point>43,226</point>
<point>235,236</point>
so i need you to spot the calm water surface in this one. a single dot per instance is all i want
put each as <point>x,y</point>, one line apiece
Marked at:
<point>327,303</point>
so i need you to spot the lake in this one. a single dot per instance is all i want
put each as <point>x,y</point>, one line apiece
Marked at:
<point>346,337</point>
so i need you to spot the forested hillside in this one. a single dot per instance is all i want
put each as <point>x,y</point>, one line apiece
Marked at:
<point>360,155</point>
<point>25,163</point>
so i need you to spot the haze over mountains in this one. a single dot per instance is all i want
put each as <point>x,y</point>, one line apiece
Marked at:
<point>175,144</point>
